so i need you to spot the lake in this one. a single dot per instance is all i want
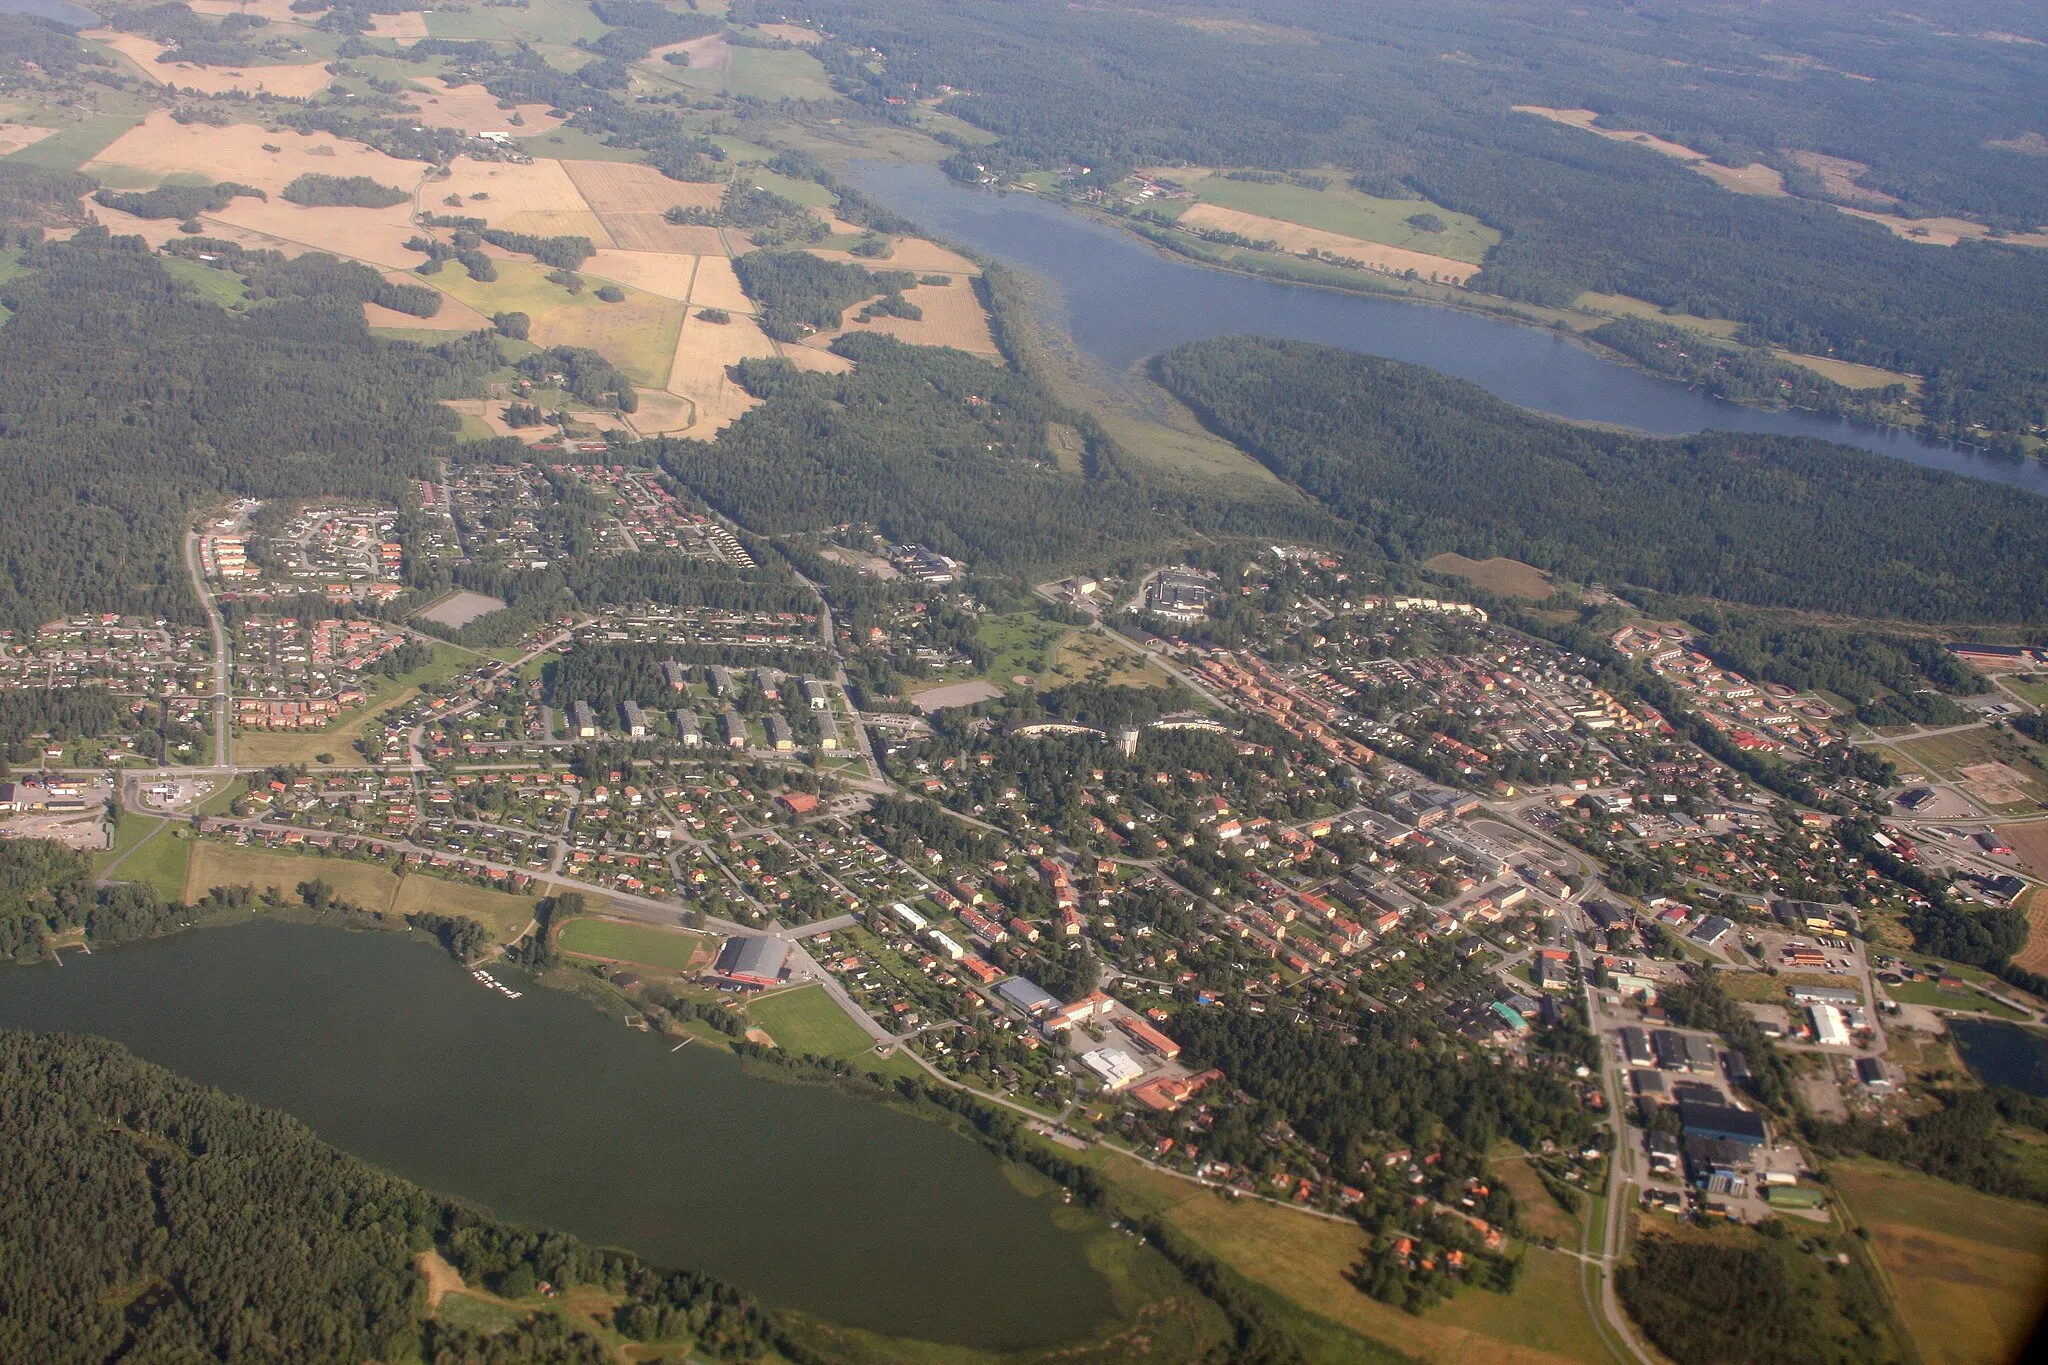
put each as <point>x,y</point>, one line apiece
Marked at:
<point>2003,1054</point>
<point>1122,300</point>
<point>52,9</point>
<point>545,1111</point>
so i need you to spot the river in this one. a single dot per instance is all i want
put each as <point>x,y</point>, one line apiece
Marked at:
<point>1122,300</point>
<point>545,1111</point>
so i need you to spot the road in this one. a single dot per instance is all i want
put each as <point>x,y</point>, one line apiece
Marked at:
<point>223,734</point>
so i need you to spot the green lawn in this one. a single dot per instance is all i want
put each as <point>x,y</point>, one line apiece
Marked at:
<point>1927,993</point>
<point>129,830</point>
<point>672,949</point>
<point>1021,642</point>
<point>808,1021</point>
<point>1344,210</point>
<point>161,862</point>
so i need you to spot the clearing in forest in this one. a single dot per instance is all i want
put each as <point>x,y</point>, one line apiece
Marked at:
<point>1499,575</point>
<point>1295,238</point>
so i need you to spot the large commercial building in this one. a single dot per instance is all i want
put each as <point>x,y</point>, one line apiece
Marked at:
<point>754,961</point>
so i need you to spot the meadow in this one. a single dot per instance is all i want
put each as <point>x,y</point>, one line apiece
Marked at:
<point>1348,213</point>
<point>1968,1271</point>
<point>644,945</point>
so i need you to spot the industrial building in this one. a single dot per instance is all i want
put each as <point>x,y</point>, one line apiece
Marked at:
<point>753,961</point>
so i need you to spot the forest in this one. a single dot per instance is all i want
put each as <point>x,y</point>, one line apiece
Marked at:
<point>146,1217</point>
<point>125,399</point>
<point>800,294</point>
<point>1424,463</point>
<point>928,444</point>
<point>1415,99</point>
<point>349,191</point>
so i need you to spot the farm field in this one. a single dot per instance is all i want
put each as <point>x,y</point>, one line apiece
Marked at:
<point>539,198</point>
<point>666,273</point>
<point>287,82</point>
<point>629,199</point>
<point>1997,769</point>
<point>215,864</point>
<point>759,72</point>
<point>2034,955</point>
<point>702,353</point>
<point>669,949</point>
<point>1969,1271</point>
<point>1623,306</point>
<point>953,316</point>
<point>1755,178</point>
<point>638,335</point>
<point>504,914</point>
<point>716,286</point>
<point>454,316</point>
<point>1345,212</point>
<point>806,1022</point>
<point>1294,238</point>
<point>474,109</point>
<point>1505,577</point>
<point>910,253</point>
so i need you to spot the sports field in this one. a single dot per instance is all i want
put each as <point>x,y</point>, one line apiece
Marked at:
<point>672,950</point>
<point>806,1022</point>
<point>1969,1271</point>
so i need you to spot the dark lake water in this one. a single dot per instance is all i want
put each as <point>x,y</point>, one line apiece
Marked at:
<point>52,9</point>
<point>2002,1054</point>
<point>545,1111</point>
<point>1121,301</point>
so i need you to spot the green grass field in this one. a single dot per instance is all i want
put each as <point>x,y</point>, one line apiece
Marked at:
<point>670,949</point>
<point>215,864</point>
<point>1968,1271</point>
<point>638,335</point>
<point>766,74</point>
<point>1344,210</point>
<point>161,863</point>
<point>806,1021</point>
<point>501,912</point>
<point>1019,643</point>
<point>77,142</point>
<point>1927,993</point>
<point>222,287</point>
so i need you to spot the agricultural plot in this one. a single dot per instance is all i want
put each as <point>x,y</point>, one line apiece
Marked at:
<point>643,945</point>
<point>759,72</point>
<point>953,316</point>
<point>630,199</point>
<point>806,1022</point>
<point>505,915</point>
<point>1296,238</point>
<point>539,198</point>
<point>220,865</point>
<point>703,353</point>
<point>1994,768</point>
<point>1967,1270</point>
<point>1345,212</point>
<point>708,54</point>
<point>455,316</point>
<point>815,361</point>
<point>405,26</point>
<point>716,286</point>
<point>15,136</point>
<point>474,109</point>
<point>638,335</point>
<point>910,253</point>
<point>287,82</point>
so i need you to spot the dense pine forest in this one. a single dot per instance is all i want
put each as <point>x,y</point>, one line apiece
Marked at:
<point>1426,463</point>
<point>125,399</point>
<point>1415,98</point>
<point>146,1217</point>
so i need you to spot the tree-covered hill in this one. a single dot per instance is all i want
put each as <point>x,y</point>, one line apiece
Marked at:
<point>1425,463</point>
<point>146,1217</point>
<point>126,399</point>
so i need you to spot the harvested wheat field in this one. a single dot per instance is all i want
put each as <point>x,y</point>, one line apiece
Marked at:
<point>1755,178</point>
<point>911,253</point>
<point>634,335</point>
<point>706,54</point>
<point>661,413</point>
<point>276,11</point>
<point>952,317</point>
<point>665,273</point>
<point>290,82</point>
<point>647,232</point>
<point>630,199</point>
<point>821,362</point>
<point>717,287</point>
<point>1943,231</point>
<point>538,198</point>
<point>159,146</point>
<point>16,136</point>
<point>474,109</point>
<point>1294,237</point>
<point>377,236</point>
<point>793,33</point>
<point>703,351</point>
<point>455,315</point>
